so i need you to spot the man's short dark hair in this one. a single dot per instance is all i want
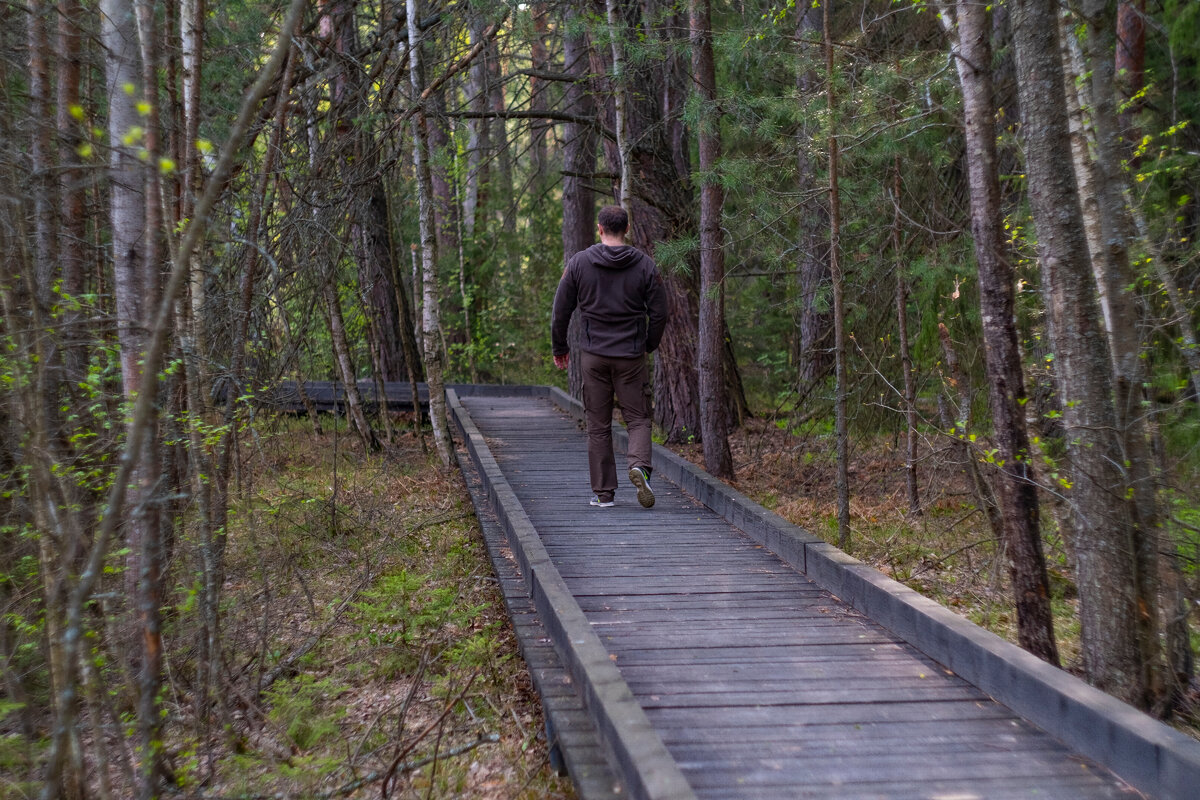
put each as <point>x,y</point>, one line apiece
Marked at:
<point>613,219</point>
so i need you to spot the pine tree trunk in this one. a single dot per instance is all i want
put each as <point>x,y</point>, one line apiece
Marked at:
<point>839,311</point>
<point>812,268</point>
<point>579,162</point>
<point>1016,490</point>
<point>713,405</point>
<point>371,233</point>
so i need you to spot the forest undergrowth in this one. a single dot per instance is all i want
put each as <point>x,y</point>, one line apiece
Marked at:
<point>365,641</point>
<point>365,582</point>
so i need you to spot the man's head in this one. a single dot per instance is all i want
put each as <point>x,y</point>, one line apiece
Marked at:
<point>613,220</point>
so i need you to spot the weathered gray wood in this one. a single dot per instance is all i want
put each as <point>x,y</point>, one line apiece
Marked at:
<point>760,682</point>
<point>574,738</point>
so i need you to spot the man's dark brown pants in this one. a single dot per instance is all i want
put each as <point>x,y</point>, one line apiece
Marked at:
<point>627,378</point>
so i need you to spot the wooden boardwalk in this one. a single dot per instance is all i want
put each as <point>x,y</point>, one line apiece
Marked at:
<point>328,396</point>
<point>757,681</point>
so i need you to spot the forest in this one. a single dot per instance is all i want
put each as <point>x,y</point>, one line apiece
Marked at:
<point>935,295</point>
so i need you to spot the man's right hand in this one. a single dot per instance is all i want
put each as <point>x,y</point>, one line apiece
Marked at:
<point>562,361</point>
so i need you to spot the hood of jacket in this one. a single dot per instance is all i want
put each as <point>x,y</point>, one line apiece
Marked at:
<point>622,257</point>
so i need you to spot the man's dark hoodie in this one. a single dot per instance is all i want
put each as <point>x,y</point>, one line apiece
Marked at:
<point>621,299</point>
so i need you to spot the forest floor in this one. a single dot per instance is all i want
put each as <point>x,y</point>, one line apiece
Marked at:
<point>360,595</point>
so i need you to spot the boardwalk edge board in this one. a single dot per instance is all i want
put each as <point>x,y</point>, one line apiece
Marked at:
<point>1146,753</point>
<point>571,736</point>
<point>635,749</point>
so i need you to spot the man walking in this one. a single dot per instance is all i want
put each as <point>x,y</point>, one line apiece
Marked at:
<point>623,310</point>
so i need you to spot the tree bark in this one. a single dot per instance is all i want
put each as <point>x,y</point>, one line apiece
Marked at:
<point>812,270</point>
<point>839,310</point>
<point>430,320</point>
<point>341,352</point>
<point>1016,489</point>
<point>149,557</point>
<point>1105,545</point>
<point>713,406</point>
<point>906,363</point>
<point>579,161</point>
<point>72,185</point>
<point>479,130</point>
<point>616,34</point>
<point>1115,273</point>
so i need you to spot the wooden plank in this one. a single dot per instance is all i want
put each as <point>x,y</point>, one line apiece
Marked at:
<point>964,771</point>
<point>1064,788</point>
<point>848,714</point>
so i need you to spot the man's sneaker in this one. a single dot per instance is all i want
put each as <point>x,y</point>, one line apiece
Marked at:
<point>596,501</point>
<point>639,478</point>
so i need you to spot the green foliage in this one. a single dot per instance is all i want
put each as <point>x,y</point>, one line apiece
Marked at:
<point>300,706</point>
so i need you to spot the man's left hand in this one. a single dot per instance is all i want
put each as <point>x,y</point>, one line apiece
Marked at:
<point>562,361</point>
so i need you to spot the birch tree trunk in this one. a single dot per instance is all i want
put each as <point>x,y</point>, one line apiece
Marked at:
<point>1114,271</point>
<point>616,33</point>
<point>1105,546</point>
<point>1016,490</point>
<point>430,316</point>
<point>713,420</point>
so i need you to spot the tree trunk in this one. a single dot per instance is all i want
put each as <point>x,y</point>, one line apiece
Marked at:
<point>72,186</point>
<point>579,162</point>
<point>1114,272</point>
<point>341,352</point>
<point>191,30</point>
<point>1131,56</point>
<point>445,209</point>
<point>1106,567</point>
<point>812,268</point>
<point>537,93</point>
<point>478,129</point>
<point>906,364</point>
<point>150,553</point>
<point>713,421</point>
<point>371,232</point>
<point>430,316</point>
<point>1016,489</point>
<point>616,33</point>
<point>839,311</point>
